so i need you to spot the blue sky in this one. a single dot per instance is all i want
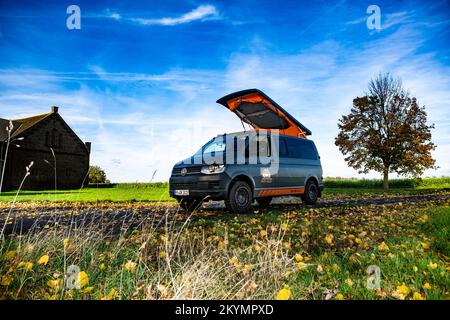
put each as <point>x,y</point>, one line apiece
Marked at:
<point>140,78</point>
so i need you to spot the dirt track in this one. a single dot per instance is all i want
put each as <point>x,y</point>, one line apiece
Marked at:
<point>115,217</point>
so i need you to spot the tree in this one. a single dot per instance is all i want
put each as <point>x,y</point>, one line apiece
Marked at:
<point>386,131</point>
<point>97,175</point>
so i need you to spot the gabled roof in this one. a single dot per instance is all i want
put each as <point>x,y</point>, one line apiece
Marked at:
<point>20,125</point>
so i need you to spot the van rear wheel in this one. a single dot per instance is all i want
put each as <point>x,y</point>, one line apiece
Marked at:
<point>264,201</point>
<point>311,192</point>
<point>240,197</point>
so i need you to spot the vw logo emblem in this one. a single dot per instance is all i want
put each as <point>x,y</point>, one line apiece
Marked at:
<point>183,171</point>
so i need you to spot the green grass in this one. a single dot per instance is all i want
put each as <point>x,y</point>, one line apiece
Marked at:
<point>438,229</point>
<point>155,192</point>
<point>115,193</point>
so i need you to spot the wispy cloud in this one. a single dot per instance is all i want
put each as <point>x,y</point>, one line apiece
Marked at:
<point>201,13</point>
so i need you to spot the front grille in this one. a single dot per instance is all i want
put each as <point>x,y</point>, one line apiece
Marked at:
<point>202,185</point>
<point>184,186</point>
<point>190,170</point>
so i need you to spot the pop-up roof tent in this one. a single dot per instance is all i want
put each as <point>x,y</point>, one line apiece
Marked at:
<point>254,107</point>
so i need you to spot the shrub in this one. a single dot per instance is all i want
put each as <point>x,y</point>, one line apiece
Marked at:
<point>97,175</point>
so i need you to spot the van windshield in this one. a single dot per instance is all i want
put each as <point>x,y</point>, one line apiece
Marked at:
<point>214,146</point>
<point>217,144</point>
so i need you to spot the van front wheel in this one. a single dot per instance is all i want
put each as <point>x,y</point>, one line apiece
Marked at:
<point>311,192</point>
<point>240,197</point>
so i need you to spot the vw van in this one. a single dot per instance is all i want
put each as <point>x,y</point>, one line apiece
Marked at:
<point>273,159</point>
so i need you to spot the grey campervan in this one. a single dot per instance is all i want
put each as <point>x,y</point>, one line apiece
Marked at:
<point>275,159</point>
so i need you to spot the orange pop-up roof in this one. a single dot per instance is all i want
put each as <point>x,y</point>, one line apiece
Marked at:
<point>254,107</point>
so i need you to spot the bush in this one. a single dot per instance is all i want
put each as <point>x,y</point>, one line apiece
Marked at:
<point>97,175</point>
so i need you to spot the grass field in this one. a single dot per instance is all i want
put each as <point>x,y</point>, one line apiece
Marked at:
<point>156,192</point>
<point>296,254</point>
<point>287,252</point>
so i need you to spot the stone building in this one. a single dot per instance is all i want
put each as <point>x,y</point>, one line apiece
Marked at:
<point>34,139</point>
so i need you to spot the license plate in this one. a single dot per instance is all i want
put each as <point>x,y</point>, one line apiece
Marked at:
<point>181,192</point>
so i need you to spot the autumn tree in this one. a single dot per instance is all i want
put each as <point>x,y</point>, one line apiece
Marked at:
<point>386,131</point>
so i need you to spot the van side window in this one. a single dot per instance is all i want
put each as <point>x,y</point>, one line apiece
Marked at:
<point>294,148</point>
<point>301,149</point>
<point>283,148</point>
<point>309,151</point>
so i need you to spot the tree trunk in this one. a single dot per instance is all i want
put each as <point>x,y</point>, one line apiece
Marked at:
<point>386,179</point>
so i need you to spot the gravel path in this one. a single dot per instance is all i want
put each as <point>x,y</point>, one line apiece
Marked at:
<point>115,218</point>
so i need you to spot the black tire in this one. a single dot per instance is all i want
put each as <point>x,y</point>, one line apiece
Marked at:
<point>311,192</point>
<point>264,201</point>
<point>189,204</point>
<point>240,197</point>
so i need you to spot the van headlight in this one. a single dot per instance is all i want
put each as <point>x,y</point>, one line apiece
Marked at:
<point>213,169</point>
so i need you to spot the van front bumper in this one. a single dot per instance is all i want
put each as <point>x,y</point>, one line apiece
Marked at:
<point>201,186</point>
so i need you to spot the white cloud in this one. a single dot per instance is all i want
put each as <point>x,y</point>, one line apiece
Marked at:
<point>201,13</point>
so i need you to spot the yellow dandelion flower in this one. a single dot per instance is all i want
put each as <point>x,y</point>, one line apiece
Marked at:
<point>247,268</point>
<point>130,266</point>
<point>66,242</point>
<point>11,254</point>
<point>383,247</point>
<point>111,295</point>
<point>83,279</point>
<point>43,260</point>
<point>426,286</point>
<point>221,245</point>
<point>432,266</point>
<point>284,294</point>
<point>234,261</point>
<point>6,280</point>
<point>54,284</point>
<point>329,239</point>
<point>401,292</point>
<point>87,289</point>
<point>27,266</point>
<point>425,245</point>
<point>162,254</point>
<point>284,226</point>
<point>102,266</point>
<point>339,296</point>
<point>417,296</point>
<point>257,248</point>
<point>263,233</point>
<point>298,257</point>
